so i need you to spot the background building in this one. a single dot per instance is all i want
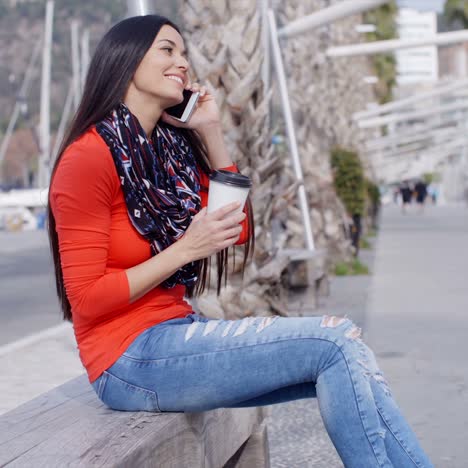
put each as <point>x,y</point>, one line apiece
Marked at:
<point>418,65</point>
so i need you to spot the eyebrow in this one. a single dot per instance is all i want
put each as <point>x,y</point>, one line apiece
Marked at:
<point>174,44</point>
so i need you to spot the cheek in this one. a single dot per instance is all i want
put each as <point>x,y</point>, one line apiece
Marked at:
<point>145,78</point>
<point>149,76</point>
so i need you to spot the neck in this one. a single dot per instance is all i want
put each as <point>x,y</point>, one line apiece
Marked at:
<point>148,113</point>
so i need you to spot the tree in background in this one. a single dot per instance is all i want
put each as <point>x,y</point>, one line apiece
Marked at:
<point>456,11</point>
<point>384,19</point>
<point>351,188</point>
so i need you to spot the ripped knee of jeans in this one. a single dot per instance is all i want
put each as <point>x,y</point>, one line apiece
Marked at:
<point>353,333</point>
<point>332,321</point>
<point>232,328</point>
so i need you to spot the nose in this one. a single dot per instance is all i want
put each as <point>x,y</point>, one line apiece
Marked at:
<point>183,63</point>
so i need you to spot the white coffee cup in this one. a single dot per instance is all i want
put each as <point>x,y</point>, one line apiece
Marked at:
<point>227,187</point>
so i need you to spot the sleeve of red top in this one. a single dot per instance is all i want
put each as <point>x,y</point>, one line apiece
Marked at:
<point>205,182</point>
<point>81,197</point>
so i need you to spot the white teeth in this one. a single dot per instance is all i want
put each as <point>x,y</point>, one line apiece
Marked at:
<point>176,78</point>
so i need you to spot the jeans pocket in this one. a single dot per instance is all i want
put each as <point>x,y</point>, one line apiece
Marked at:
<point>120,395</point>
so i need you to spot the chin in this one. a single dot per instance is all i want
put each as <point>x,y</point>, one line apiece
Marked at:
<point>173,99</point>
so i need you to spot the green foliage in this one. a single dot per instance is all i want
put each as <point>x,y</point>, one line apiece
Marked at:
<point>352,268</point>
<point>430,177</point>
<point>456,11</point>
<point>384,19</point>
<point>372,233</point>
<point>342,269</point>
<point>373,192</point>
<point>349,180</point>
<point>364,244</point>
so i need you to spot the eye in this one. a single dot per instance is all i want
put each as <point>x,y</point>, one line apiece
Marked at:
<point>168,48</point>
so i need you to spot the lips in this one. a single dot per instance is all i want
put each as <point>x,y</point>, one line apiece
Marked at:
<point>176,79</point>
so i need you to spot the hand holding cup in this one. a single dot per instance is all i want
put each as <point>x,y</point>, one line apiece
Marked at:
<point>210,233</point>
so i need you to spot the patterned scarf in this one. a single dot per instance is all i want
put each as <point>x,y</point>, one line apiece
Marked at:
<point>159,179</point>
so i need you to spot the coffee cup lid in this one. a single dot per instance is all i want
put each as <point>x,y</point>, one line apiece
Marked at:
<point>230,178</point>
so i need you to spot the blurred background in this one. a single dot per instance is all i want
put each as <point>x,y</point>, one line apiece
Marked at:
<point>350,117</point>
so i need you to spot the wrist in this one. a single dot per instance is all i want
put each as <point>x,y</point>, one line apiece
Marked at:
<point>213,139</point>
<point>209,131</point>
<point>182,251</point>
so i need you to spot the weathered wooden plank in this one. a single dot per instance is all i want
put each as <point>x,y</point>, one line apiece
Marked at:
<point>69,426</point>
<point>256,451</point>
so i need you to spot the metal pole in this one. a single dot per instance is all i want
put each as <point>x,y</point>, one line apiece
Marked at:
<point>140,7</point>
<point>435,143</point>
<point>436,110</point>
<point>281,76</point>
<point>409,131</point>
<point>84,57</point>
<point>21,98</point>
<point>376,145</point>
<point>263,6</point>
<point>44,134</point>
<point>415,99</point>
<point>328,15</point>
<point>379,47</point>
<point>67,108</point>
<point>75,56</point>
<point>433,152</point>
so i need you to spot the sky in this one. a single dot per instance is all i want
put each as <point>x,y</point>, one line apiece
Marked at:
<point>424,5</point>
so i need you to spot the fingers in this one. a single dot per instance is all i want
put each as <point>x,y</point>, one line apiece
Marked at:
<point>196,87</point>
<point>232,220</point>
<point>222,212</point>
<point>228,242</point>
<point>233,232</point>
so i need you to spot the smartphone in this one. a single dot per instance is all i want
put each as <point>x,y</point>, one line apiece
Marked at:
<point>184,110</point>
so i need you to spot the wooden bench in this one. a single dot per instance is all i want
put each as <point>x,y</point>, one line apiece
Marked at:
<point>305,280</point>
<point>70,426</point>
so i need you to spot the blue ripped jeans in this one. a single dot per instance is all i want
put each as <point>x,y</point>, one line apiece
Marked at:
<point>196,364</point>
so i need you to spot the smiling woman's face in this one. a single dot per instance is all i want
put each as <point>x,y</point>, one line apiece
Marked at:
<point>163,72</point>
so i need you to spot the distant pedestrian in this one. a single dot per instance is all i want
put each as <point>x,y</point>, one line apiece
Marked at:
<point>433,192</point>
<point>396,195</point>
<point>421,193</point>
<point>131,238</point>
<point>406,192</point>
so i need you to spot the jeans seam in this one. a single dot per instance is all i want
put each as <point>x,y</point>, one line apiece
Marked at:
<point>101,385</point>
<point>139,388</point>
<point>357,404</point>
<point>410,456</point>
<point>226,350</point>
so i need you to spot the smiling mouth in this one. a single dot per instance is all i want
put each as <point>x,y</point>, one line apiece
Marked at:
<point>178,81</point>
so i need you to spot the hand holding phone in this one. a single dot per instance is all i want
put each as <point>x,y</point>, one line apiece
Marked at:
<point>183,111</point>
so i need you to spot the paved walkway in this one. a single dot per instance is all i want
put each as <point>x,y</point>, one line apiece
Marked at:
<point>416,320</point>
<point>418,324</point>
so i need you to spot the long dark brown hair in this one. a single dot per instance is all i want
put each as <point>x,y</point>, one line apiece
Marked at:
<point>112,67</point>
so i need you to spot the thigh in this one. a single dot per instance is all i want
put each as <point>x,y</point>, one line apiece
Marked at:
<point>195,364</point>
<point>280,395</point>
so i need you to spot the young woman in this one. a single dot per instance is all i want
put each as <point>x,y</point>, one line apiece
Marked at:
<point>130,239</point>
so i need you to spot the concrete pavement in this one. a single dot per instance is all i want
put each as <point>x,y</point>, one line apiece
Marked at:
<point>418,324</point>
<point>416,321</point>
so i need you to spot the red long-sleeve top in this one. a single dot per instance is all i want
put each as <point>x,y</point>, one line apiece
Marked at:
<point>97,243</point>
